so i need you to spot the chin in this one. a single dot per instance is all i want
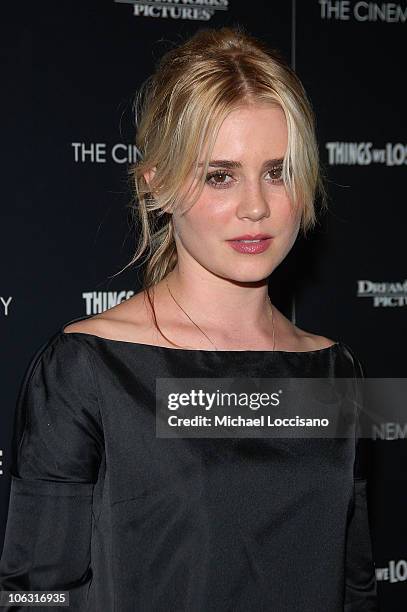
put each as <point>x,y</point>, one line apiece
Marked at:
<point>244,274</point>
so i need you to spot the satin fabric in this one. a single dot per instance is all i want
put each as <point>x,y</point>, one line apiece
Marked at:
<point>128,522</point>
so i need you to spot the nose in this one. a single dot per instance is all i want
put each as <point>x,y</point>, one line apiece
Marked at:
<point>252,205</point>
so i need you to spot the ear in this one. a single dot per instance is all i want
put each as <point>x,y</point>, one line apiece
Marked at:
<point>148,176</point>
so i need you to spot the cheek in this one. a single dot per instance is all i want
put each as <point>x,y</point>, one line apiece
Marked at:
<point>293,224</point>
<point>218,213</point>
<point>283,217</point>
<point>208,213</point>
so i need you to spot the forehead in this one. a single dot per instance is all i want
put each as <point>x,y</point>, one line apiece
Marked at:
<point>252,131</point>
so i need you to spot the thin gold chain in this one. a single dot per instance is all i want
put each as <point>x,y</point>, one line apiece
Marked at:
<point>206,335</point>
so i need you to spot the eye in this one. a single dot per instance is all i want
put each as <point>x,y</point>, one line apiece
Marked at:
<point>217,174</point>
<point>212,177</point>
<point>276,174</point>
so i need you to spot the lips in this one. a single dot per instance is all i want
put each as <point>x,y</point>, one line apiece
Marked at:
<point>250,237</point>
<point>250,246</point>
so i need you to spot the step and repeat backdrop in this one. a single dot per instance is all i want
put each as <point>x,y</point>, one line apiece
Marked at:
<point>71,71</point>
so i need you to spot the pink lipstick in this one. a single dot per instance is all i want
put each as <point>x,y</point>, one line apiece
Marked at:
<point>251,244</point>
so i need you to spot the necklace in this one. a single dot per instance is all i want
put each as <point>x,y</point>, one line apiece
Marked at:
<point>206,335</point>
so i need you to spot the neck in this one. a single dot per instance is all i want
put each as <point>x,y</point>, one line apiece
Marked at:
<point>222,306</point>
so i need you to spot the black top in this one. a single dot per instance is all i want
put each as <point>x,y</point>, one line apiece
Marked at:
<point>130,522</point>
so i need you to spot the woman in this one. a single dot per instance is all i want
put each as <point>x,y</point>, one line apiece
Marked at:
<point>100,505</point>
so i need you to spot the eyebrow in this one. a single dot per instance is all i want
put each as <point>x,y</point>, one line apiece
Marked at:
<point>227,163</point>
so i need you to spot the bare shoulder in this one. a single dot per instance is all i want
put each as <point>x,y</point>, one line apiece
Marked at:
<point>316,343</point>
<point>297,339</point>
<point>307,341</point>
<point>127,321</point>
<point>312,342</point>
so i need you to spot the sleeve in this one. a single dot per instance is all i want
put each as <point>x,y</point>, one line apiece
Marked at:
<point>360,578</point>
<point>57,448</point>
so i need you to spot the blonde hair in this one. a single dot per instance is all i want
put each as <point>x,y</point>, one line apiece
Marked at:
<point>179,110</point>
